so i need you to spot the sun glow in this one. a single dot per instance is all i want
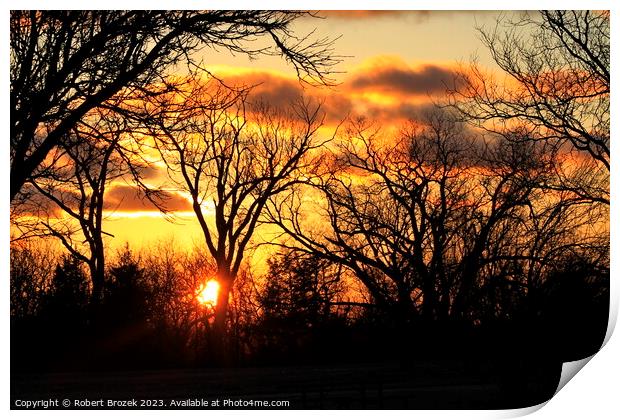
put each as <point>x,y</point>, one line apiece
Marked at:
<point>207,293</point>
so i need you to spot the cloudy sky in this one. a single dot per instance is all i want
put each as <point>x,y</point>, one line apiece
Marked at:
<point>395,64</point>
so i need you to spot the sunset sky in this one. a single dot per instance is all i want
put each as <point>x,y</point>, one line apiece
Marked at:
<point>417,231</point>
<point>394,62</point>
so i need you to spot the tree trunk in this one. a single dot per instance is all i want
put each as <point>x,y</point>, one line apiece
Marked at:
<point>219,339</point>
<point>97,278</point>
<point>94,311</point>
<point>429,304</point>
<point>96,266</point>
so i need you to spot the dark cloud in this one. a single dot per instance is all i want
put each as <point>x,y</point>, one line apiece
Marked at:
<point>429,79</point>
<point>337,107</point>
<point>150,172</point>
<point>129,198</point>
<point>403,111</point>
<point>276,91</point>
<point>280,93</point>
<point>30,202</point>
<point>393,78</point>
<point>118,198</point>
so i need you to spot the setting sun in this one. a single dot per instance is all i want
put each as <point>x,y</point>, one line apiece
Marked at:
<point>207,293</point>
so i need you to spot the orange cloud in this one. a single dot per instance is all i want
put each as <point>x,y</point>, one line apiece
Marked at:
<point>400,79</point>
<point>127,198</point>
<point>280,92</point>
<point>398,113</point>
<point>385,89</point>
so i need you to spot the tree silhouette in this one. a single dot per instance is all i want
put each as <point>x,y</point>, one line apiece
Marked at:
<point>126,294</point>
<point>64,64</point>
<point>68,295</point>
<point>558,65</point>
<point>574,305</point>
<point>302,290</point>
<point>232,162</point>
<point>303,312</point>
<point>437,223</point>
<point>69,201</point>
<point>30,278</point>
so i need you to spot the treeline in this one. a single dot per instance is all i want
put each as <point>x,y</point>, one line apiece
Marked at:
<point>149,315</point>
<point>305,309</point>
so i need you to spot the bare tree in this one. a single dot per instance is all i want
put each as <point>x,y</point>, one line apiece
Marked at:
<point>558,86</point>
<point>66,63</point>
<point>430,222</point>
<point>386,202</point>
<point>231,162</point>
<point>68,203</point>
<point>30,276</point>
<point>175,277</point>
<point>301,289</point>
